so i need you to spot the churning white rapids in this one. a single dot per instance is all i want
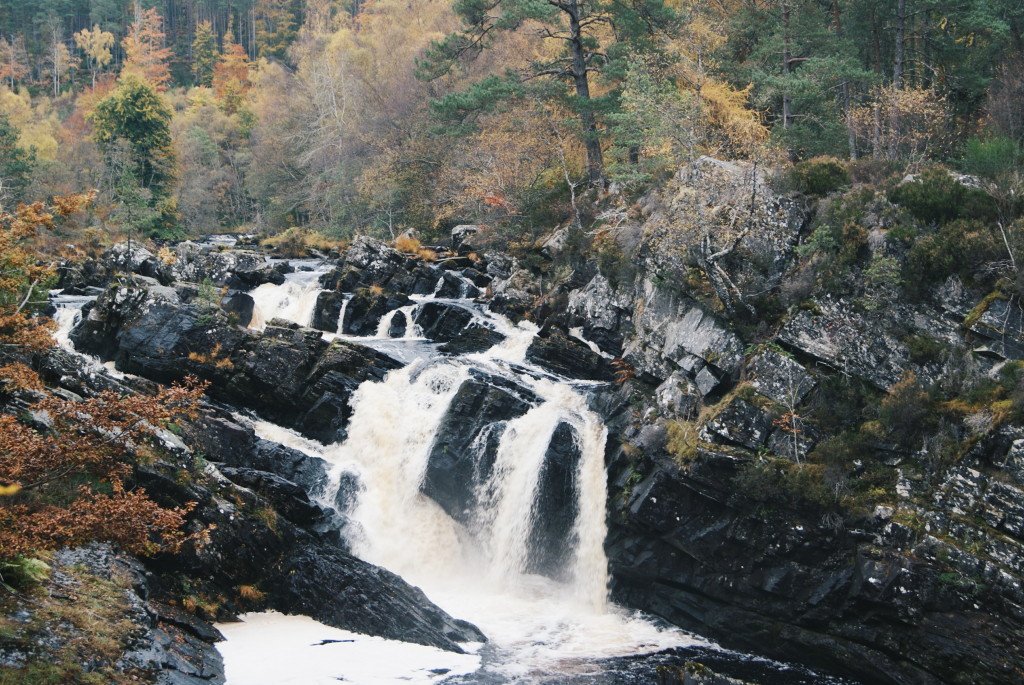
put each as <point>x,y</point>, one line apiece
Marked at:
<point>536,626</point>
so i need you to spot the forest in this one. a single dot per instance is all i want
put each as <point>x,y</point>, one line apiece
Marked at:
<point>344,117</point>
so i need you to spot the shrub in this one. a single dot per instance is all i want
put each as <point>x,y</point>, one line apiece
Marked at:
<point>682,440</point>
<point>936,197</point>
<point>991,158</point>
<point>782,481</point>
<point>961,247</point>
<point>907,411</point>
<point>819,176</point>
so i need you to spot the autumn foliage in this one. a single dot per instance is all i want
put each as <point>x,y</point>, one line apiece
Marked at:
<point>64,463</point>
<point>65,472</point>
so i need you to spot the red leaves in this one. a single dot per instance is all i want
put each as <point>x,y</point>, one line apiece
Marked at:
<point>623,371</point>
<point>66,472</point>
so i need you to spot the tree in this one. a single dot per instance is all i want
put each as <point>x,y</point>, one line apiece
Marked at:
<point>593,35</point>
<point>204,53</point>
<point>275,27</point>
<point>12,61</point>
<point>16,164</point>
<point>59,59</point>
<point>231,75</point>
<point>96,44</point>
<point>144,48</point>
<point>136,114</point>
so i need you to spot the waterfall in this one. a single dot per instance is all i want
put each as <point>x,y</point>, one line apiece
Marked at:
<point>341,315</point>
<point>412,331</point>
<point>67,314</point>
<point>294,300</point>
<point>478,569</point>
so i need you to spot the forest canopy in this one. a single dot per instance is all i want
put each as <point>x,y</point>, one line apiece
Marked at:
<point>348,116</point>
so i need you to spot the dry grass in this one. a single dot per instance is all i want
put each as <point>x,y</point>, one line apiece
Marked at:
<point>426,254</point>
<point>250,593</point>
<point>167,256</point>
<point>407,244</point>
<point>297,242</point>
<point>214,357</point>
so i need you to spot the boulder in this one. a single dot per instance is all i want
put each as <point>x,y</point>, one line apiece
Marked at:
<point>555,507</point>
<point>779,378</point>
<point>442,322</point>
<point>327,311</point>
<point>462,235</point>
<point>738,423</point>
<point>240,304</point>
<point>472,339</point>
<point>366,308</point>
<point>568,357</point>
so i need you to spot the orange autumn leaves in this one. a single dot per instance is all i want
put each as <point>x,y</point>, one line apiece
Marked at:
<point>64,462</point>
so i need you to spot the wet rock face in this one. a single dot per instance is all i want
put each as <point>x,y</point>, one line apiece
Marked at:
<point>162,643</point>
<point>441,321</point>
<point>259,536</point>
<point>555,508</point>
<point>466,444</point>
<point>680,547</point>
<point>568,357</point>
<point>289,375</point>
<point>367,308</point>
<point>327,311</point>
<point>370,262</point>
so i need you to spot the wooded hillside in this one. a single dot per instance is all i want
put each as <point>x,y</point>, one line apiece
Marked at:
<point>197,116</point>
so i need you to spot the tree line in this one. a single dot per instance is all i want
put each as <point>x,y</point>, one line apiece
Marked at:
<point>193,116</point>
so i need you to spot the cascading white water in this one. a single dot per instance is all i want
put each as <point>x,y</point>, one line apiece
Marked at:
<point>66,316</point>
<point>412,331</point>
<point>480,573</point>
<point>341,314</point>
<point>534,622</point>
<point>293,300</point>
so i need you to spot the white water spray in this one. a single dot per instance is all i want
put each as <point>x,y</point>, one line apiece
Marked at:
<point>481,572</point>
<point>294,300</point>
<point>412,331</point>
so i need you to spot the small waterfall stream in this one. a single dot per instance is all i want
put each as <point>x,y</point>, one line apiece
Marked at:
<point>294,300</point>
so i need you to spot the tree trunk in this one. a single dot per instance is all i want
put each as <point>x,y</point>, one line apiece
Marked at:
<point>899,51</point>
<point>787,67</point>
<point>591,138</point>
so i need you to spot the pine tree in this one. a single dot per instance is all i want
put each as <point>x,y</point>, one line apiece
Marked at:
<point>204,54</point>
<point>579,26</point>
<point>136,114</point>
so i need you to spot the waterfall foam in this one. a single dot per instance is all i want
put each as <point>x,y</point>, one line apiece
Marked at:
<point>293,300</point>
<point>479,571</point>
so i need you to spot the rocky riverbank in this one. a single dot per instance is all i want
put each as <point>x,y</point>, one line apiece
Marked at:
<point>827,476</point>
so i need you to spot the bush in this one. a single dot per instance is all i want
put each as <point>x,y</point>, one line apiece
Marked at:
<point>408,244</point>
<point>907,411</point>
<point>961,247</point>
<point>819,176</point>
<point>936,197</point>
<point>991,158</point>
